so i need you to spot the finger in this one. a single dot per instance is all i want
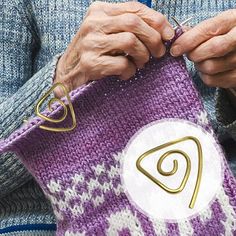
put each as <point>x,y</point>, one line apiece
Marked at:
<point>118,65</point>
<point>59,92</point>
<point>103,66</point>
<point>153,18</point>
<point>128,43</point>
<point>93,67</point>
<point>186,28</point>
<point>215,47</point>
<point>217,65</point>
<point>205,30</point>
<point>222,80</point>
<point>131,23</point>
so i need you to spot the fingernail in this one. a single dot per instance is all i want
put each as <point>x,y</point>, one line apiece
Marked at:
<point>163,52</point>
<point>175,51</point>
<point>168,33</point>
<point>160,53</point>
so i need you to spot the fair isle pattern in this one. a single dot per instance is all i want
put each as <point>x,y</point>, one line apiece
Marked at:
<point>41,30</point>
<point>230,213</point>
<point>123,221</point>
<point>69,233</point>
<point>92,190</point>
<point>160,227</point>
<point>79,171</point>
<point>126,219</point>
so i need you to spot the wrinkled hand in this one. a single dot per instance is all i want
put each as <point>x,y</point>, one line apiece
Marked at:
<point>212,46</point>
<point>108,33</point>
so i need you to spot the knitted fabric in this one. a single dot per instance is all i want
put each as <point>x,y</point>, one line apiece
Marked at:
<point>79,171</point>
<point>33,32</point>
<point>28,203</point>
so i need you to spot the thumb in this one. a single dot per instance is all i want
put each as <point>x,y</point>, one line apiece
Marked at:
<point>186,28</point>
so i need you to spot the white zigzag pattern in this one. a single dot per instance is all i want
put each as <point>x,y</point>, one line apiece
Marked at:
<point>71,193</point>
<point>118,221</point>
<point>69,233</point>
<point>159,227</point>
<point>185,228</point>
<point>230,223</point>
<point>125,218</point>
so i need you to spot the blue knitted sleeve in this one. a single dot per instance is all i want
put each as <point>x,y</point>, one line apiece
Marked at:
<point>19,88</point>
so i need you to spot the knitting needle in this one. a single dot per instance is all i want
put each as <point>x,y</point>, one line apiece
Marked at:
<point>182,23</point>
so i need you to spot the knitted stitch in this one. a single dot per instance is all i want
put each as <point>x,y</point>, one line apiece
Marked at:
<point>33,32</point>
<point>29,204</point>
<point>79,171</point>
<point>20,87</point>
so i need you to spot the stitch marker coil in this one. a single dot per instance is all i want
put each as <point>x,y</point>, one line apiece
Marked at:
<point>175,167</point>
<point>65,110</point>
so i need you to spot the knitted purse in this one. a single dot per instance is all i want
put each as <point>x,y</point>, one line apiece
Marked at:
<point>79,171</point>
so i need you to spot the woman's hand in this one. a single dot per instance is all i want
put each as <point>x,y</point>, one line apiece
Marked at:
<point>108,33</point>
<point>212,46</point>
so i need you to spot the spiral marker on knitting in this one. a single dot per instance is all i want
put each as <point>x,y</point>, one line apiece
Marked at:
<point>175,167</point>
<point>65,110</point>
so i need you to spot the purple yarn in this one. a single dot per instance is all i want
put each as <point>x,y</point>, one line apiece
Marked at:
<point>81,163</point>
<point>178,32</point>
<point>212,226</point>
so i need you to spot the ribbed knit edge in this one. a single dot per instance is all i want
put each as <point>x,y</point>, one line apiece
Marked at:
<point>25,206</point>
<point>21,104</point>
<point>11,169</point>
<point>30,233</point>
<point>9,144</point>
<point>225,112</point>
<point>28,228</point>
<point>12,113</point>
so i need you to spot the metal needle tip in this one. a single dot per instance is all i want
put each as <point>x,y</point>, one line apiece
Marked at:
<point>182,23</point>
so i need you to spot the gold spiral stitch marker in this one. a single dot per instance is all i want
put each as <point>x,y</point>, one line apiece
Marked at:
<point>65,110</point>
<point>175,167</point>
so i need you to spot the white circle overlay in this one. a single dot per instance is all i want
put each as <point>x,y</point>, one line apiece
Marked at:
<point>150,198</point>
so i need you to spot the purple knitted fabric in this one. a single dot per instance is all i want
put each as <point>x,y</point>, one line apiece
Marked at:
<point>79,170</point>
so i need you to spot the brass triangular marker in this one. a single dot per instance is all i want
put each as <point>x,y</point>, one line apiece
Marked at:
<point>62,104</point>
<point>175,167</point>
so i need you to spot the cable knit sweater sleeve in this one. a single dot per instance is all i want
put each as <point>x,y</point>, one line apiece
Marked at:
<point>226,112</point>
<point>19,88</point>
